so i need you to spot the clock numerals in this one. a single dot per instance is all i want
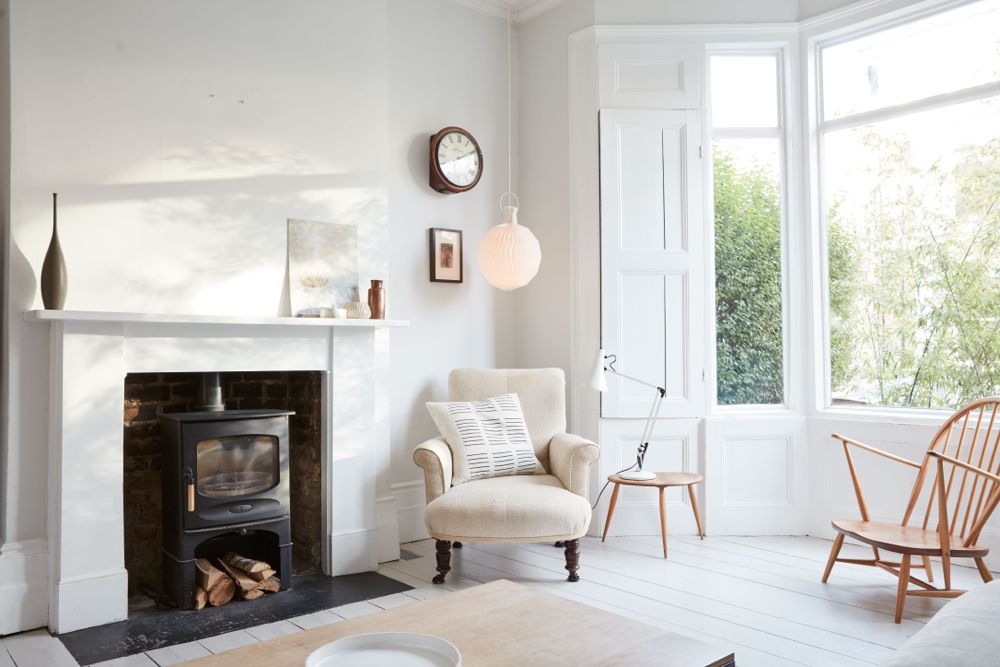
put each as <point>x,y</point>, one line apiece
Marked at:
<point>457,162</point>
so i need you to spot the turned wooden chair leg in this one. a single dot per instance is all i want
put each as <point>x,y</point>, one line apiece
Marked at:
<point>984,571</point>
<point>838,542</point>
<point>443,560</point>
<point>928,570</point>
<point>572,559</point>
<point>456,545</point>
<point>904,582</point>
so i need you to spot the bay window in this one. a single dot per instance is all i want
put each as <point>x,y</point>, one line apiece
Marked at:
<point>909,166</point>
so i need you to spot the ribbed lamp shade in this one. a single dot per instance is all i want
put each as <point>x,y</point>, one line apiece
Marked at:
<point>509,254</point>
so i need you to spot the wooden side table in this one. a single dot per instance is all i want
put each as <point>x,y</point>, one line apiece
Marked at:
<point>662,481</point>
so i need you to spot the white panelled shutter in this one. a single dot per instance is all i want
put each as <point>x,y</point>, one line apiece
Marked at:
<point>652,254</point>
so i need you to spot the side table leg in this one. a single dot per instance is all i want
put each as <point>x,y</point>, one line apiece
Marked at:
<point>611,510</point>
<point>663,520</point>
<point>694,506</point>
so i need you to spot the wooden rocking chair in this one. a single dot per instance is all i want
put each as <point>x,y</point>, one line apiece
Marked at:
<point>954,538</point>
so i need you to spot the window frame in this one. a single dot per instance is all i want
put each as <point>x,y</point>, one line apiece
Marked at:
<point>814,43</point>
<point>785,136</point>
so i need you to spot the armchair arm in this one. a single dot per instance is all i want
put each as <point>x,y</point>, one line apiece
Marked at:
<point>434,456</point>
<point>862,505</point>
<point>570,458</point>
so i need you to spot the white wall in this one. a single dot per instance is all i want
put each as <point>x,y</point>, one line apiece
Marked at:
<point>543,307</point>
<point>446,66</point>
<point>180,137</point>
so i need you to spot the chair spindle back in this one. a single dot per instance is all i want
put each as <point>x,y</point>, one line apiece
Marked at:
<point>971,435</point>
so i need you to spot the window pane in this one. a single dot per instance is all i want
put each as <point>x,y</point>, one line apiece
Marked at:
<point>744,91</point>
<point>750,359</point>
<point>945,52</point>
<point>913,216</point>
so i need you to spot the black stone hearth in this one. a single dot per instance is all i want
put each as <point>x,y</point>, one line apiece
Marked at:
<point>150,629</point>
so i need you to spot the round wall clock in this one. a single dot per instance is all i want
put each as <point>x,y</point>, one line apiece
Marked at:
<point>456,161</point>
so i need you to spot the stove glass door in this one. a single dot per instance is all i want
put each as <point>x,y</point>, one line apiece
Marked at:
<point>237,465</point>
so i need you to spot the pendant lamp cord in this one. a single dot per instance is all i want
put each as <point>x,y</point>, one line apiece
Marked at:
<point>509,107</point>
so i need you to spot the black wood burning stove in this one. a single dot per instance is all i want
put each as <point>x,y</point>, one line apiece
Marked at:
<point>225,488</point>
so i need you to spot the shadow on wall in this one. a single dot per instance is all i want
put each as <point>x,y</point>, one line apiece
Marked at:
<point>217,247</point>
<point>420,421</point>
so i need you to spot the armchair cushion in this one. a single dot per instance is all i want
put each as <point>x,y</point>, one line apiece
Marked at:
<point>523,508</point>
<point>488,438</point>
<point>542,392</point>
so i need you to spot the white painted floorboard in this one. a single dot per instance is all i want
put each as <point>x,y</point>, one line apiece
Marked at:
<point>758,596</point>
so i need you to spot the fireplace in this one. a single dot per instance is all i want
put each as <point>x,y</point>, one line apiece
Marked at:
<point>225,487</point>
<point>86,578</point>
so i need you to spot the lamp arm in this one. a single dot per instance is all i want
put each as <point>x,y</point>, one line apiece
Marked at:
<point>642,382</point>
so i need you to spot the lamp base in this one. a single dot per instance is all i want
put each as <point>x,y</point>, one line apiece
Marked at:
<point>638,475</point>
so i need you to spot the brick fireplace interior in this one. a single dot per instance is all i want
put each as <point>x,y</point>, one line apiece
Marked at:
<point>149,394</point>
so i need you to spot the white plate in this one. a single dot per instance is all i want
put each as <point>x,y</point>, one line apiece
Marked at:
<point>399,649</point>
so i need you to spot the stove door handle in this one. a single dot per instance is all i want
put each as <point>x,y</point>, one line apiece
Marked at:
<point>189,479</point>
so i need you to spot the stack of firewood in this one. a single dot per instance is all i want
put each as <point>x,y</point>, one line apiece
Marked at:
<point>236,575</point>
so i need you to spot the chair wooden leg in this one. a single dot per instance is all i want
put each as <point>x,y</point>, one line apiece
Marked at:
<point>928,570</point>
<point>663,520</point>
<point>694,506</point>
<point>904,581</point>
<point>984,571</point>
<point>443,548</point>
<point>573,559</point>
<point>611,510</point>
<point>838,542</point>
<point>456,545</point>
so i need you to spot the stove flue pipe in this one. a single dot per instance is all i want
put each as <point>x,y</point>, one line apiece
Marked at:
<point>209,398</point>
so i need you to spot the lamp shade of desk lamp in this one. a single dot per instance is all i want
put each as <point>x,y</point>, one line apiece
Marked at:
<point>598,378</point>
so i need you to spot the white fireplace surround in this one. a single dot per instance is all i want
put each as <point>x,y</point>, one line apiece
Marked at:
<point>91,352</point>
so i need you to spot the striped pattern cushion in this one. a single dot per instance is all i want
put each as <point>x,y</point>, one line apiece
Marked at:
<point>488,438</point>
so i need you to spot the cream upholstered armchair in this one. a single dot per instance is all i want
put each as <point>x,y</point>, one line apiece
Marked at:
<point>554,507</point>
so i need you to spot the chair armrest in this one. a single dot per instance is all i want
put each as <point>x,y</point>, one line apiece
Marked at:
<point>966,466</point>
<point>858,493</point>
<point>570,458</point>
<point>434,456</point>
<point>875,450</point>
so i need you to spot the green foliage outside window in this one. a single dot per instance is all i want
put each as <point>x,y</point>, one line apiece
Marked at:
<point>913,278</point>
<point>747,283</point>
<point>915,310</point>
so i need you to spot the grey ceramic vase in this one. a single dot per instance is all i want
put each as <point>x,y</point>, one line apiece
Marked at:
<point>54,277</point>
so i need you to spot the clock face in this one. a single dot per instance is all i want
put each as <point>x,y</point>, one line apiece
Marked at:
<point>458,158</point>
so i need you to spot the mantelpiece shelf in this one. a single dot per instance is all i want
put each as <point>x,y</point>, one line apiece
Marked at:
<point>167,318</point>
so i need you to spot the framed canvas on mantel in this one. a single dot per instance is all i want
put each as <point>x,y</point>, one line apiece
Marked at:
<point>446,255</point>
<point>322,265</point>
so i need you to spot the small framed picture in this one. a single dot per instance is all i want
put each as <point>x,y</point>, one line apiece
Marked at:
<point>446,255</point>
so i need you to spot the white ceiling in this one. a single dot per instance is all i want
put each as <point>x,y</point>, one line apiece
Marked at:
<point>520,10</point>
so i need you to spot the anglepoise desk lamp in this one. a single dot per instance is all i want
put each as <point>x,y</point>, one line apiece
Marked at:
<point>599,382</point>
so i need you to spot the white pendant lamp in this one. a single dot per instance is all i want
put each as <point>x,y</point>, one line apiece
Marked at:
<point>509,254</point>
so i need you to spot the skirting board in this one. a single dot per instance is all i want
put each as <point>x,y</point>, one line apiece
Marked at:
<point>387,527</point>
<point>84,602</point>
<point>353,552</point>
<point>24,582</point>
<point>410,503</point>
